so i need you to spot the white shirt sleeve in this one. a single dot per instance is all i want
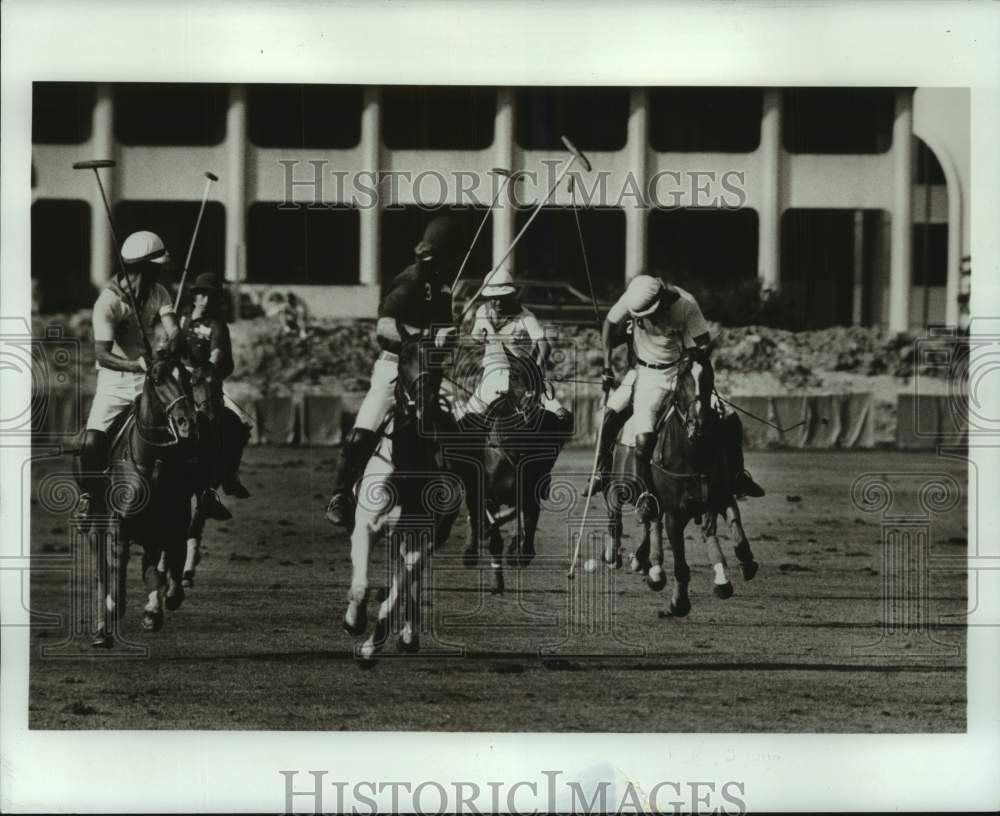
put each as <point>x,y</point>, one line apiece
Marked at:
<point>103,317</point>
<point>482,322</point>
<point>618,312</point>
<point>532,326</point>
<point>164,305</point>
<point>694,321</point>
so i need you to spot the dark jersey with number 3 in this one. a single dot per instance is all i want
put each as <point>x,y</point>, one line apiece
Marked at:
<point>417,298</point>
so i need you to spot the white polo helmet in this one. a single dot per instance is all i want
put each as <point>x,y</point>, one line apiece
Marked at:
<point>144,246</point>
<point>643,295</point>
<point>500,284</point>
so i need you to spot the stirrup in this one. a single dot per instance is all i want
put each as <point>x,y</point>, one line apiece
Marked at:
<point>598,484</point>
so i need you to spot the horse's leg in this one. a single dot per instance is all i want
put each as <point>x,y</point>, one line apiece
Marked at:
<point>155,582</point>
<point>117,548</point>
<point>473,502</point>
<point>176,552</point>
<point>748,566</point>
<point>193,554</point>
<point>411,566</point>
<point>721,585</point>
<point>495,544</point>
<point>612,553</point>
<point>103,637</point>
<point>529,518</point>
<point>680,604</point>
<point>356,616</point>
<point>387,614</point>
<point>657,578</point>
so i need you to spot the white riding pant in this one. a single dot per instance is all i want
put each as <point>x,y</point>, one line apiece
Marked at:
<point>116,391</point>
<point>381,394</point>
<point>621,397</point>
<point>653,388</point>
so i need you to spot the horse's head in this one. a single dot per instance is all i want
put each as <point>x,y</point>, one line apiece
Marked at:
<point>204,385</point>
<point>171,400</point>
<point>687,403</point>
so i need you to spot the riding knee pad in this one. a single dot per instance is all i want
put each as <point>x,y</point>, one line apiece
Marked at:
<point>644,446</point>
<point>94,450</point>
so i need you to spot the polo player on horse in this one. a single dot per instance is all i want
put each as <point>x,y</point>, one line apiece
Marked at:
<point>666,323</point>
<point>418,300</point>
<point>118,346</point>
<point>509,332</point>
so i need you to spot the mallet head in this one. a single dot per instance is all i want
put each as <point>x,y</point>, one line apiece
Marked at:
<point>211,176</point>
<point>572,149</point>
<point>93,164</point>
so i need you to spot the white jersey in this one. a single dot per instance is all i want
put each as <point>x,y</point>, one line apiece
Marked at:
<point>661,337</point>
<point>112,319</point>
<point>516,333</point>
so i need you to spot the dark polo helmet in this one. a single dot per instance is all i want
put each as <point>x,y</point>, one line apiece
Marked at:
<point>443,236</point>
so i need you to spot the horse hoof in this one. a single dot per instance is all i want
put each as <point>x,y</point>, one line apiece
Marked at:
<point>656,584</point>
<point>410,646</point>
<point>680,609</point>
<point>360,620</point>
<point>498,584</point>
<point>104,640</point>
<point>187,580</point>
<point>366,663</point>
<point>723,591</point>
<point>173,602</point>
<point>152,621</point>
<point>749,569</point>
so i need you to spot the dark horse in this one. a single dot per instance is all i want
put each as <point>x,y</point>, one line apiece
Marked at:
<point>408,495</point>
<point>693,480</point>
<point>505,462</point>
<point>222,438</point>
<point>147,499</point>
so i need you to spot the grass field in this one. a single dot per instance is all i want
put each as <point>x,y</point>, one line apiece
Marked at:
<point>258,642</point>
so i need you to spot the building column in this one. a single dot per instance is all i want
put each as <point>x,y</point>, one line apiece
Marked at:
<point>102,143</point>
<point>769,209</point>
<point>504,216</point>
<point>636,215</point>
<point>371,162</point>
<point>901,260</point>
<point>236,184</point>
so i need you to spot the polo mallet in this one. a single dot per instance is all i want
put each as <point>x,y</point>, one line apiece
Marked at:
<point>507,176</point>
<point>95,165</point>
<point>575,155</point>
<point>571,573</point>
<point>209,178</point>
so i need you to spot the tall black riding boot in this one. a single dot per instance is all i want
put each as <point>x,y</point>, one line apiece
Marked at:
<point>93,462</point>
<point>353,457</point>
<point>612,425</point>
<point>743,483</point>
<point>647,507</point>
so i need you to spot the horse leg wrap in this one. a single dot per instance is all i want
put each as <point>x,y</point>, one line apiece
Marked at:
<point>613,423</point>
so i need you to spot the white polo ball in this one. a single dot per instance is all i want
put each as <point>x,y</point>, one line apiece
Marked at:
<point>589,565</point>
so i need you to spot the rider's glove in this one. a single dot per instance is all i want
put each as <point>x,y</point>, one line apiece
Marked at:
<point>143,363</point>
<point>608,382</point>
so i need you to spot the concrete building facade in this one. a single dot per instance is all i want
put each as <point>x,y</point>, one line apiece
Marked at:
<point>753,170</point>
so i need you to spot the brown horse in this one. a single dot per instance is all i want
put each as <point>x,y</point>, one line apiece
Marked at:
<point>692,478</point>
<point>147,500</point>
<point>505,461</point>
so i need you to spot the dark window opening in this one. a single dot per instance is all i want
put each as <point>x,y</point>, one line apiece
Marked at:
<point>60,255</point>
<point>165,113</point>
<point>711,120</point>
<point>310,116</point>
<point>929,169</point>
<point>319,246</point>
<point>174,222</point>
<point>402,228</point>
<point>62,112</point>
<point>592,118</point>
<point>438,118</point>
<point>703,249</point>
<point>818,275</point>
<point>838,120</point>
<point>550,249</point>
<point>930,254</point>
